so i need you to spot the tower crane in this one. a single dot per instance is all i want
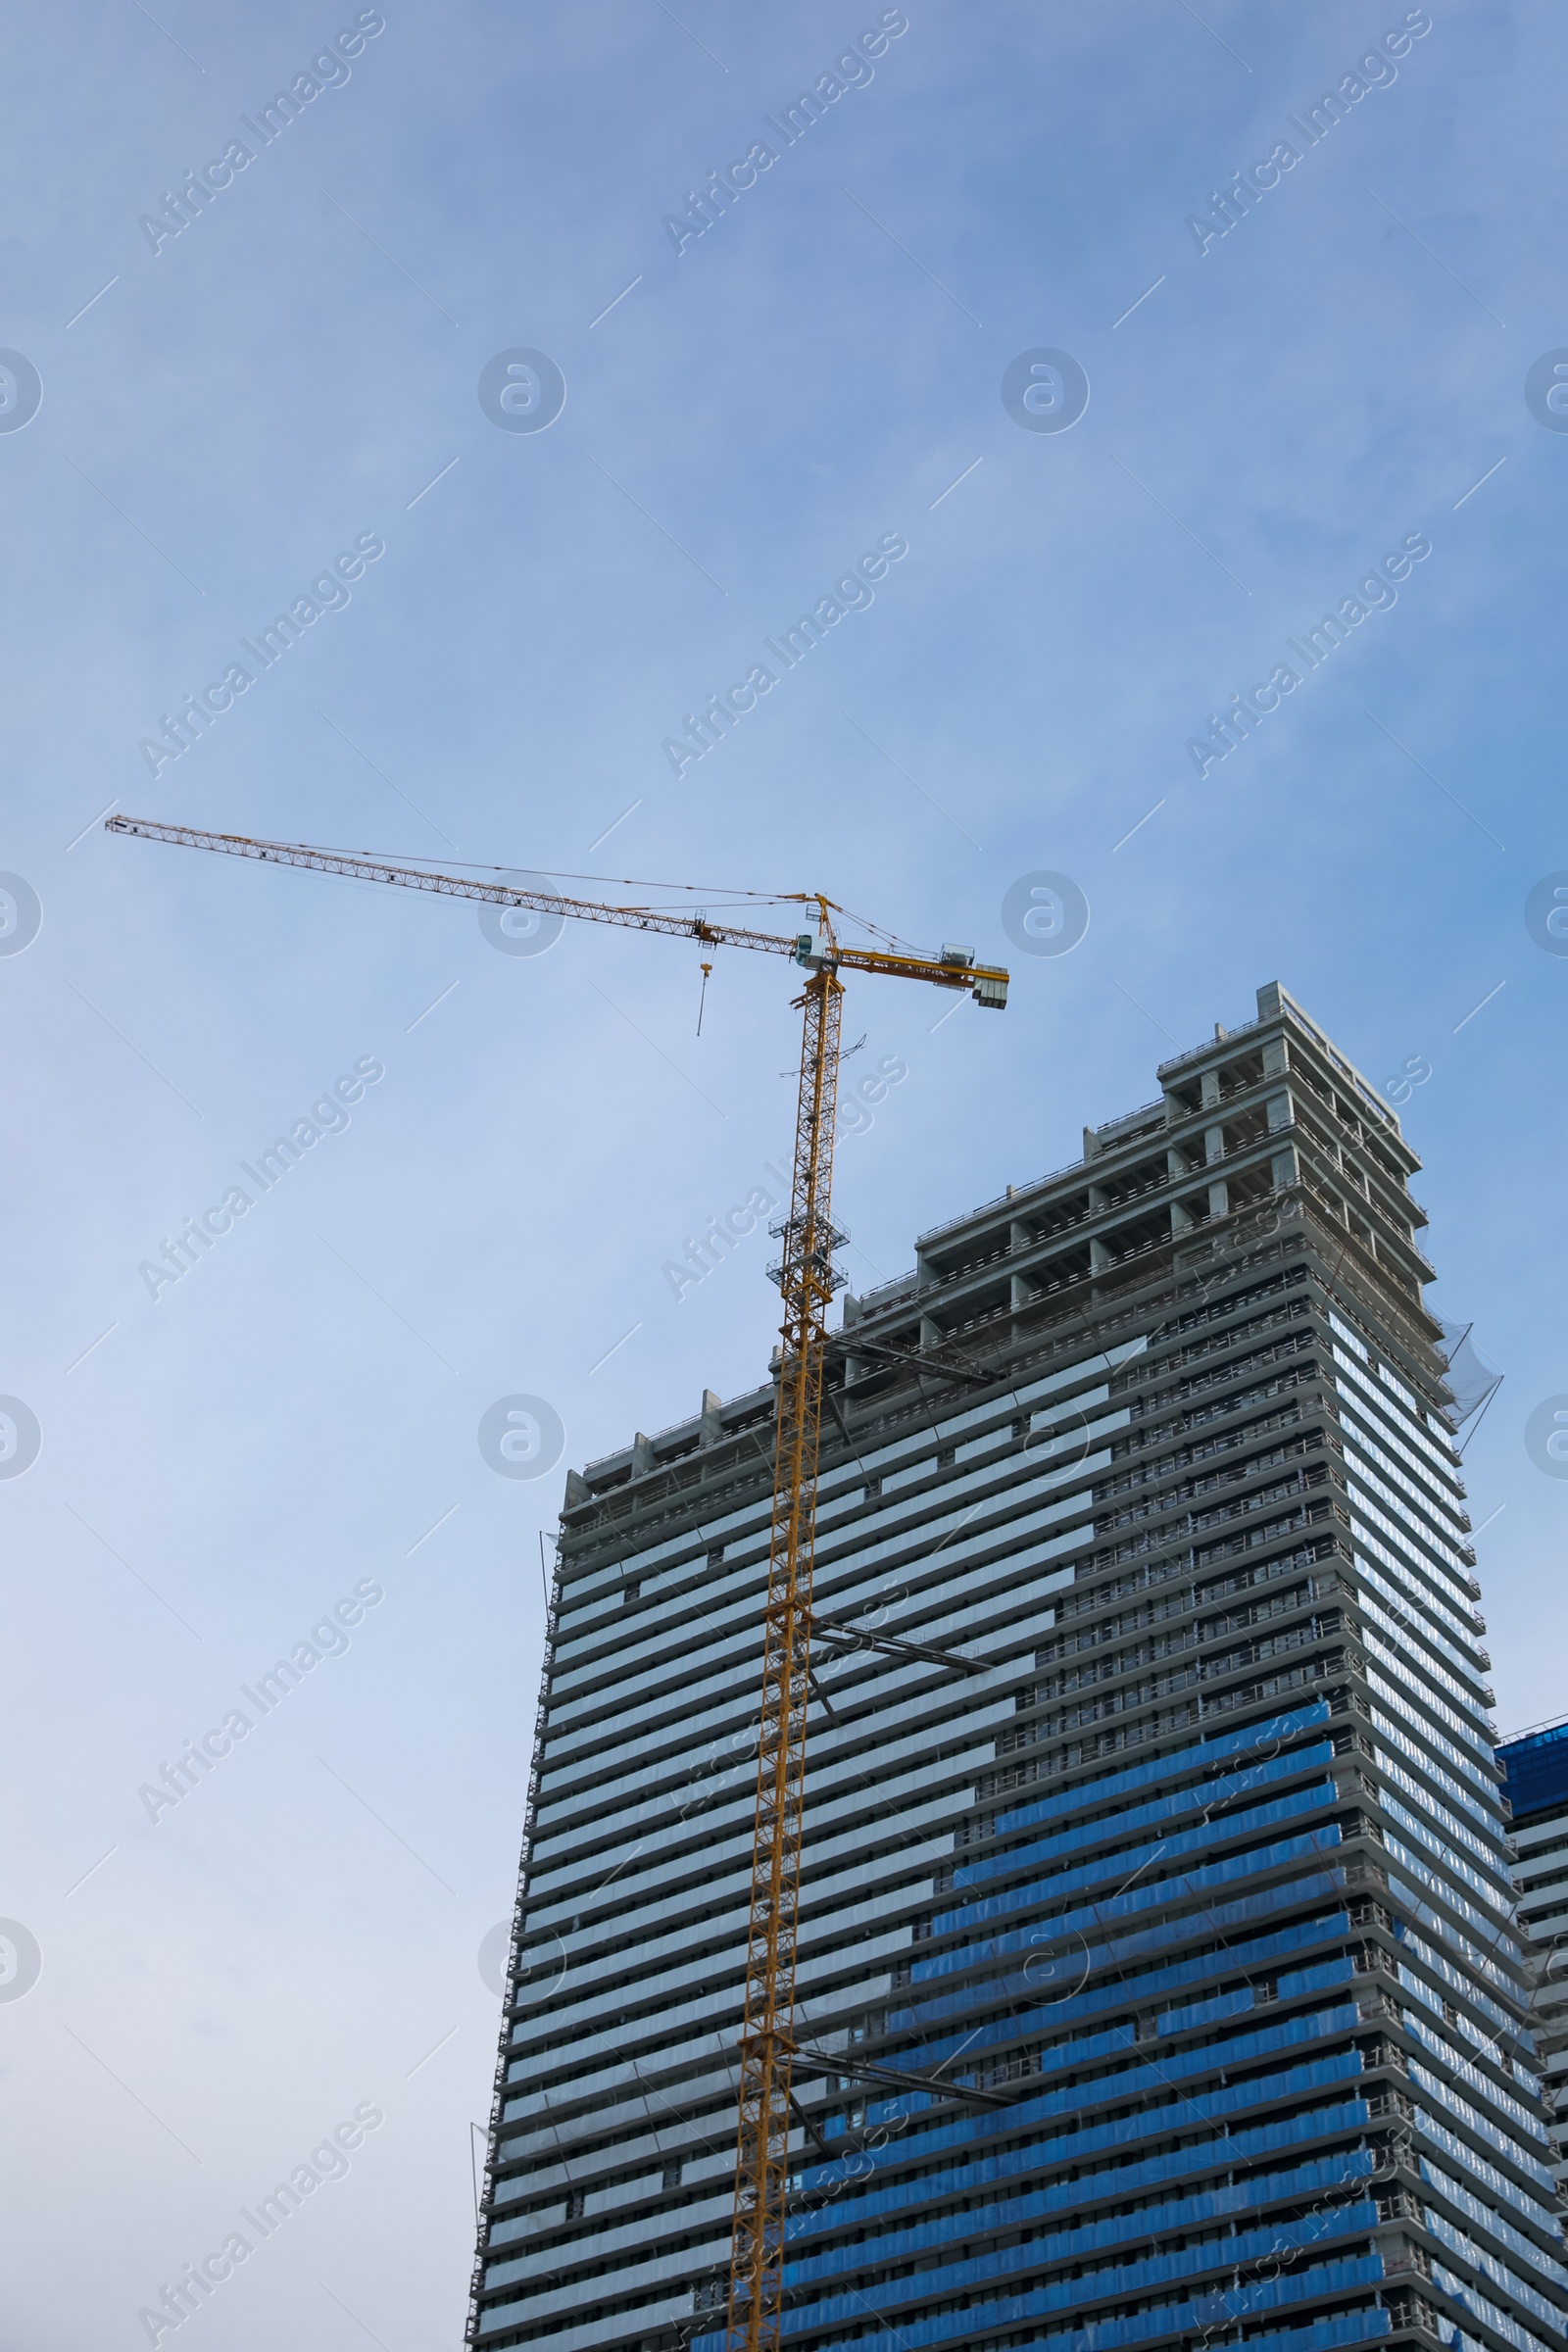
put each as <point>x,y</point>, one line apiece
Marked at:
<point>806,1280</point>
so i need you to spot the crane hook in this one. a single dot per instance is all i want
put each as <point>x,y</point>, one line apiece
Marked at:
<point>703,998</point>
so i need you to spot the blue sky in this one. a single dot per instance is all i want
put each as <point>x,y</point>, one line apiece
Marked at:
<point>297,371</point>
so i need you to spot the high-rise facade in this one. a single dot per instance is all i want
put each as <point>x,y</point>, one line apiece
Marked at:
<point>1179,1882</point>
<point>1537,1766</point>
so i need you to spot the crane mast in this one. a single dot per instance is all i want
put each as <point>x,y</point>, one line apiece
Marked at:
<point>806,1281</point>
<point>767,2035</point>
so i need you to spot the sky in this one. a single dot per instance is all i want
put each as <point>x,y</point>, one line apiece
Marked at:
<point>1108,455</point>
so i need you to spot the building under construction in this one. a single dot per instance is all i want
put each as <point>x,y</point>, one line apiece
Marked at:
<point>1156,1978</point>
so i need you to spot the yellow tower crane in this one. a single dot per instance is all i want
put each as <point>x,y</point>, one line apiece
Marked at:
<point>805,1276</point>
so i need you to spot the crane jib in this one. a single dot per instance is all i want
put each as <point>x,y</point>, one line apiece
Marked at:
<point>987,982</point>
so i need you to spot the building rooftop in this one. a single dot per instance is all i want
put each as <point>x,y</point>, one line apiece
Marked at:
<point>1149,1181</point>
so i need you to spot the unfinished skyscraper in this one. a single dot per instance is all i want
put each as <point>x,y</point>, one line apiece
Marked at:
<point>1159,1847</point>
